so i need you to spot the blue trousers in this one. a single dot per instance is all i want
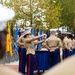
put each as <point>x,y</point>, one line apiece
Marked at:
<point>54,58</point>
<point>66,53</point>
<point>73,51</point>
<point>30,64</point>
<point>22,60</point>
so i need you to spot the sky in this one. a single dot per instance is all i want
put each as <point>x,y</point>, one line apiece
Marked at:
<point>5,0</point>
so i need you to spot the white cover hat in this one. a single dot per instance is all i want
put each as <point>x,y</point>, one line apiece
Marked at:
<point>27,30</point>
<point>68,33</point>
<point>21,30</point>
<point>53,30</point>
<point>6,14</point>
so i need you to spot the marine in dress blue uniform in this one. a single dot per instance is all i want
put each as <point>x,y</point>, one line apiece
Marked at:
<point>29,44</point>
<point>67,45</point>
<point>53,44</point>
<point>73,42</point>
<point>22,54</point>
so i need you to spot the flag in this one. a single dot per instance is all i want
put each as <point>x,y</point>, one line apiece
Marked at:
<point>33,31</point>
<point>17,33</point>
<point>8,40</point>
<point>16,38</point>
<point>40,33</point>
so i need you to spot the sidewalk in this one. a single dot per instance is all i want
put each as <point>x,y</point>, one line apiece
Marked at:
<point>12,65</point>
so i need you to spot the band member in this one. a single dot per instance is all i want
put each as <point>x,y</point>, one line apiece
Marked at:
<point>53,44</point>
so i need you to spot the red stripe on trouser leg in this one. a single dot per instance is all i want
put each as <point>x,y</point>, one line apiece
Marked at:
<point>35,62</point>
<point>20,59</point>
<point>28,64</point>
<point>64,54</point>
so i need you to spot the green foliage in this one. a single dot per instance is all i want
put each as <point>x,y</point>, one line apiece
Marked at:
<point>68,13</point>
<point>57,12</point>
<point>52,13</point>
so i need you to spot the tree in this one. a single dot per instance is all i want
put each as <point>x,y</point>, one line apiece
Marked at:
<point>52,13</point>
<point>40,13</point>
<point>67,13</point>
